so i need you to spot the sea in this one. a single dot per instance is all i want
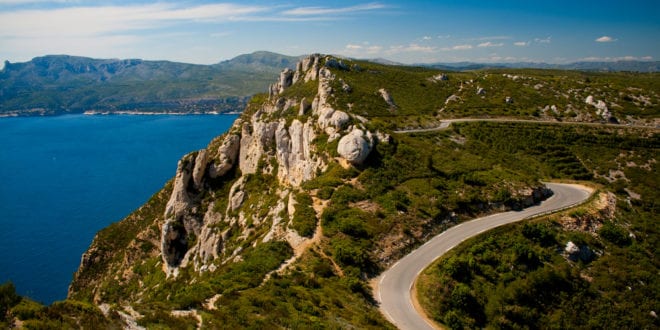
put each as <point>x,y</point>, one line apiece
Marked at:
<point>64,178</point>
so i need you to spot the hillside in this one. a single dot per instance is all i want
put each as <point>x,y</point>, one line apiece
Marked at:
<point>322,183</point>
<point>60,84</point>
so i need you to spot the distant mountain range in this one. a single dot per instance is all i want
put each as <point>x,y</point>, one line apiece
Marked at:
<point>59,84</point>
<point>632,66</point>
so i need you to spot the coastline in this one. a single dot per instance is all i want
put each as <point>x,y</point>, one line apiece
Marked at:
<point>123,113</point>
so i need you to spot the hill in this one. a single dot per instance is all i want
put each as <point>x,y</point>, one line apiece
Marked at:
<point>59,84</point>
<point>325,181</point>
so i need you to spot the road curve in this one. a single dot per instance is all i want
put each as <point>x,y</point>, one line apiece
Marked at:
<point>395,284</point>
<point>445,123</point>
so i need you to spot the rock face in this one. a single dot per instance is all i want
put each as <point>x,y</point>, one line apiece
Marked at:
<point>263,143</point>
<point>355,146</point>
<point>601,107</point>
<point>387,97</point>
<point>226,156</point>
<point>575,253</point>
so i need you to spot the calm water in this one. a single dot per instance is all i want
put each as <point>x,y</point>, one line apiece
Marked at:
<point>64,178</point>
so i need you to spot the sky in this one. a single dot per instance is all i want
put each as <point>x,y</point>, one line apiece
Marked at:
<point>206,32</point>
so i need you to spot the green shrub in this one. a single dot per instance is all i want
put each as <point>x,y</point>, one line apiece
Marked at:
<point>614,234</point>
<point>304,218</point>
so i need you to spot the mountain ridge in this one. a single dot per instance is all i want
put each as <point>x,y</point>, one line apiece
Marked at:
<point>599,66</point>
<point>58,84</point>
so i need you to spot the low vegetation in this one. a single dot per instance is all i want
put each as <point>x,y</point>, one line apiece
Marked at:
<point>521,276</point>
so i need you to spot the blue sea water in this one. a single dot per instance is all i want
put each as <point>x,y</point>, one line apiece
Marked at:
<point>64,178</point>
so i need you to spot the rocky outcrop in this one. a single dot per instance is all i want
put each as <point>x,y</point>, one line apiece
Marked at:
<point>295,157</point>
<point>452,98</point>
<point>225,156</point>
<point>256,137</point>
<point>575,253</point>
<point>355,146</point>
<point>601,107</point>
<point>387,97</point>
<point>261,142</point>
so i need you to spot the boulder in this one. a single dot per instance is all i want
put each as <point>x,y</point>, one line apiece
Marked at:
<point>575,253</point>
<point>355,146</point>
<point>329,117</point>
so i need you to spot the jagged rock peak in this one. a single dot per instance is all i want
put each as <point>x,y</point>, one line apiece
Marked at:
<point>306,69</point>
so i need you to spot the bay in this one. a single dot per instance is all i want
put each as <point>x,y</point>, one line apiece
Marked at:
<point>64,178</point>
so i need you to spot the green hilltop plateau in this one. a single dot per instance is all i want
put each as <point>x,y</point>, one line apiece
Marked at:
<point>343,167</point>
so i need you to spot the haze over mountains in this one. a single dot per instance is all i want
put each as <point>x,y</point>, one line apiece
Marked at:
<point>60,84</point>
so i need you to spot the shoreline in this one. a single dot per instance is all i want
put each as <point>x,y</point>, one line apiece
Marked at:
<point>123,113</point>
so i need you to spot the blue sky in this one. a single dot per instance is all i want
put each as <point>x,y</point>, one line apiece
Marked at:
<point>200,31</point>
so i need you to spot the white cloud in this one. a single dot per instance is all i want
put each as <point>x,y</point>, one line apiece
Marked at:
<point>614,59</point>
<point>605,39</point>
<point>521,43</point>
<point>490,44</point>
<point>363,50</point>
<point>26,2</point>
<point>317,11</point>
<point>543,41</point>
<point>491,38</point>
<point>411,48</point>
<point>457,47</point>
<point>95,21</point>
<point>426,38</point>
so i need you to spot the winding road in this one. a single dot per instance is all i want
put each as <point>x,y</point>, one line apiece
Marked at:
<point>445,123</point>
<point>395,286</point>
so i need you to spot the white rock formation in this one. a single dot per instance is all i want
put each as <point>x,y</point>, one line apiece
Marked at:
<point>226,156</point>
<point>294,152</point>
<point>387,97</point>
<point>256,136</point>
<point>452,98</point>
<point>200,168</point>
<point>355,146</point>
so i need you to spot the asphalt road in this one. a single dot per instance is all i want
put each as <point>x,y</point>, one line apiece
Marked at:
<point>444,124</point>
<point>395,285</point>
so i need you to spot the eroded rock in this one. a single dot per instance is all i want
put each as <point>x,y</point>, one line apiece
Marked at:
<point>355,146</point>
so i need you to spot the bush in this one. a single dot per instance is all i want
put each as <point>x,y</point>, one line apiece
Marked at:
<point>304,219</point>
<point>614,234</point>
<point>8,299</point>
